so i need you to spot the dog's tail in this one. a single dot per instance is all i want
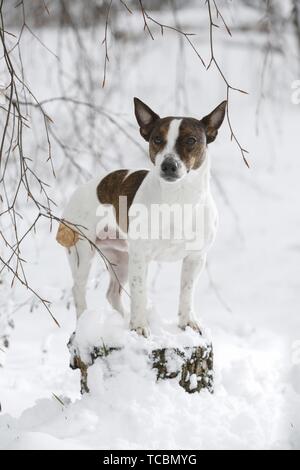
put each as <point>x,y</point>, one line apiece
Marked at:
<point>66,236</point>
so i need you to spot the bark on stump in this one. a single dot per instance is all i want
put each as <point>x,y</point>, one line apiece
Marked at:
<point>191,366</point>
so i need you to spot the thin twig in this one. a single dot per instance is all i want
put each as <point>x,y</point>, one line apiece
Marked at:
<point>147,17</point>
<point>104,42</point>
<point>229,87</point>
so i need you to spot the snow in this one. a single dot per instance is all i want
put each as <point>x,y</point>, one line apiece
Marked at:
<point>193,380</point>
<point>248,299</point>
<point>110,329</point>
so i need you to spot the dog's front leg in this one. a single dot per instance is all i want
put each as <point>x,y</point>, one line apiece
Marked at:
<point>138,292</point>
<point>191,268</point>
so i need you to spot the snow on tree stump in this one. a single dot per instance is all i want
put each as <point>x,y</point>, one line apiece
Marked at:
<point>170,353</point>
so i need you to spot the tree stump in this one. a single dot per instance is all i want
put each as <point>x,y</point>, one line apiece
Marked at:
<point>190,365</point>
<point>194,366</point>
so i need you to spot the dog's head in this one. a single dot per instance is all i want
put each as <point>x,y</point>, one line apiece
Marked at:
<point>177,145</point>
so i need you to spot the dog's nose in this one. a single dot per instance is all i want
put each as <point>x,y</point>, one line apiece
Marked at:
<point>169,166</point>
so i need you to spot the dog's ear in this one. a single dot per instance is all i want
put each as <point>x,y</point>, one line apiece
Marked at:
<point>213,121</point>
<point>145,117</point>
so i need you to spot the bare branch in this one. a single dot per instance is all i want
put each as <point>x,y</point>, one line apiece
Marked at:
<point>162,26</point>
<point>104,42</point>
<point>229,87</point>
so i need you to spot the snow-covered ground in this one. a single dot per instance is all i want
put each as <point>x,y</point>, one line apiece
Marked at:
<point>248,298</point>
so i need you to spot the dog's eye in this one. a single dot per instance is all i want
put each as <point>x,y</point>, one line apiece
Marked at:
<point>190,141</point>
<point>157,140</point>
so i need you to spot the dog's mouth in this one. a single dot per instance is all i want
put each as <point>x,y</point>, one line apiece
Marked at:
<point>169,178</point>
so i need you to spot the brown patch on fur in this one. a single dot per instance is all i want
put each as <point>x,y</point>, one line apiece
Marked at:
<point>193,154</point>
<point>160,130</point>
<point>66,236</point>
<point>117,184</point>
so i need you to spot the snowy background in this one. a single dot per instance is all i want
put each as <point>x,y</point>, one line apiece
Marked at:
<point>248,297</point>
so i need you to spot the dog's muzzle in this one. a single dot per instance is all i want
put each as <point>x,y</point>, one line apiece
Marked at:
<point>170,169</point>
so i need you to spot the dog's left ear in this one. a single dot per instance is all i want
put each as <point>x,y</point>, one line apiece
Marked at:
<point>213,121</point>
<point>145,117</point>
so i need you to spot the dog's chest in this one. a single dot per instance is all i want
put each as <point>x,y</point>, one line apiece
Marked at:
<point>176,220</point>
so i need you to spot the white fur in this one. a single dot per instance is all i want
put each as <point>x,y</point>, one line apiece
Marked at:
<point>192,189</point>
<point>169,149</point>
<point>172,136</point>
<point>133,259</point>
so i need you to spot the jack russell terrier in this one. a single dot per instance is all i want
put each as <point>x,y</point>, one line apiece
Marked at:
<point>180,178</point>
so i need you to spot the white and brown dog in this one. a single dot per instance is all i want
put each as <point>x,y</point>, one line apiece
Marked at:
<point>180,178</point>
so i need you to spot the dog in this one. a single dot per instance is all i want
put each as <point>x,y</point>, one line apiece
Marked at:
<point>180,177</point>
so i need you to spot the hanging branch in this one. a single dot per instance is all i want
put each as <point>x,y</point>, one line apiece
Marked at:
<point>229,87</point>
<point>147,17</point>
<point>104,42</point>
<point>26,183</point>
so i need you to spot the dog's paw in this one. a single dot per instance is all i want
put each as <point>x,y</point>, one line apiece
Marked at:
<point>142,331</point>
<point>192,324</point>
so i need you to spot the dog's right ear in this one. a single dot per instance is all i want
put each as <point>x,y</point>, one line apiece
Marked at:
<point>145,117</point>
